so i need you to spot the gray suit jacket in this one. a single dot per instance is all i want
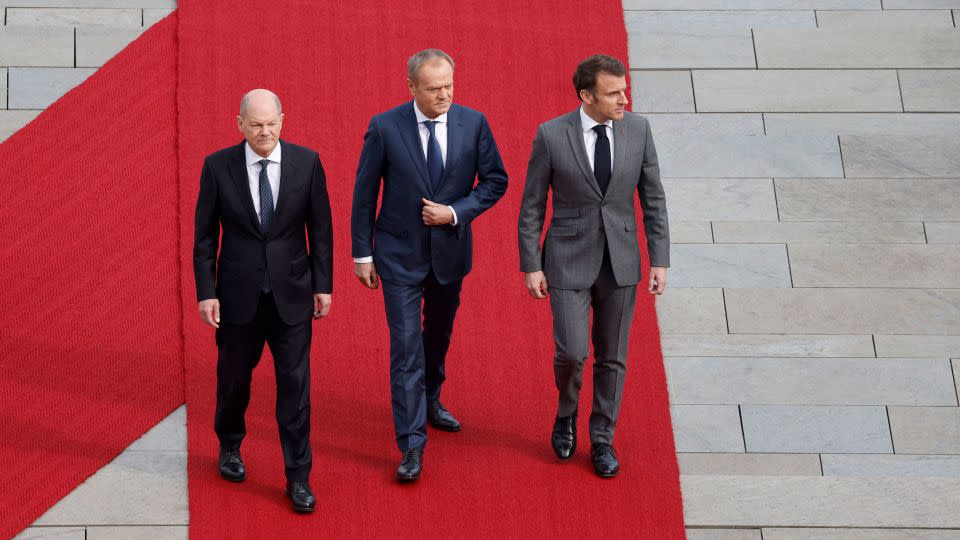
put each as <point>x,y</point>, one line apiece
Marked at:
<point>584,219</point>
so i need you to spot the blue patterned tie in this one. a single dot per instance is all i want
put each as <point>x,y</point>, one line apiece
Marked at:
<point>434,157</point>
<point>266,211</point>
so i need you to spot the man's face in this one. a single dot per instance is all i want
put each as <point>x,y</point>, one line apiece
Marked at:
<point>608,99</point>
<point>432,87</point>
<point>261,125</point>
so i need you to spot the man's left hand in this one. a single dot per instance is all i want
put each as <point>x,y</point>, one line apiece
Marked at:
<point>321,305</point>
<point>436,214</point>
<point>658,280</point>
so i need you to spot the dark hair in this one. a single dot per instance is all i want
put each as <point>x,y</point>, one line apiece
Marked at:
<point>585,77</point>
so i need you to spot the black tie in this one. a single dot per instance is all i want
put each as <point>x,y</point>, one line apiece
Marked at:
<point>601,158</point>
<point>434,158</point>
<point>266,211</point>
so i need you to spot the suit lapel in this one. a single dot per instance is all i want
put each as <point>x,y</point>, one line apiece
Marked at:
<point>454,141</point>
<point>575,134</point>
<point>288,174</point>
<point>411,138</point>
<point>619,152</point>
<point>238,170</point>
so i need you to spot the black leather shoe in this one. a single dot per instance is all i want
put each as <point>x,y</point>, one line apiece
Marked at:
<point>604,460</point>
<point>301,496</point>
<point>440,418</point>
<point>231,465</point>
<point>410,465</point>
<point>564,437</point>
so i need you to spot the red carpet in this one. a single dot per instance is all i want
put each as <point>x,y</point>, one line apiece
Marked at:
<point>334,64</point>
<point>90,326</point>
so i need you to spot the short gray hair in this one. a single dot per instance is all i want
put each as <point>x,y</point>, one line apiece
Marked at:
<point>246,99</point>
<point>420,58</point>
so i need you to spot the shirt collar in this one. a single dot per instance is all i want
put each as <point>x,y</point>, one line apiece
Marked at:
<point>252,157</point>
<point>421,118</point>
<point>587,123</point>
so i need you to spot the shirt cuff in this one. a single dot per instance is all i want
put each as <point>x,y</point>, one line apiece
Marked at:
<point>363,259</point>
<point>454,216</point>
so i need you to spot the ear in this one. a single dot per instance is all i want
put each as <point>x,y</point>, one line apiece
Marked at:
<point>586,96</point>
<point>410,86</point>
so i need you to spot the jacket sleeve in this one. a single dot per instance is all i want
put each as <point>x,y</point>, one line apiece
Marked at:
<point>492,179</point>
<point>533,207</point>
<point>320,231</point>
<point>654,204</point>
<point>206,235</point>
<point>366,191</point>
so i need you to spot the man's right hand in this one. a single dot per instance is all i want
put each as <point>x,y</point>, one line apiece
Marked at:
<point>537,284</point>
<point>210,312</point>
<point>367,274</point>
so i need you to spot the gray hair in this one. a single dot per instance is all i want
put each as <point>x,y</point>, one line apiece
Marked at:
<point>246,100</point>
<point>420,58</point>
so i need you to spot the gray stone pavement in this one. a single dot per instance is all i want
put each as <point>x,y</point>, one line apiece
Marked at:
<point>811,155</point>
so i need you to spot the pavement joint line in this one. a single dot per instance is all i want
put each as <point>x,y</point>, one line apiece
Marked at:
<point>900,89</point>
<point>873,339</point>
<point>726,317</point>
<point>953,373</point>
<point>693,93</point>
<point>743,432</point>
<point>842,166</point>
<point>893,447</point>
<point>753,40</point>
<point>786,248</point>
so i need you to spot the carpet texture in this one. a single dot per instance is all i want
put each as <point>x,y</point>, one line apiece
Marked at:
<point>91,323</point>
<point>334,65</point>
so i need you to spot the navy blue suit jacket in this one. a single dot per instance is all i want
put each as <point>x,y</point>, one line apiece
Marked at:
<point>404,250</point>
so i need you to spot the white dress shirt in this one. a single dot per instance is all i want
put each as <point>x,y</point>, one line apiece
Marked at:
<point>590,136</point>
<point>253,174</point>
<point>440,132</point>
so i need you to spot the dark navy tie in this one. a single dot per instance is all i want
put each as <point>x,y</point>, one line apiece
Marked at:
<point>434,157</point>
<point>601,158</point>
<point>266,211</point>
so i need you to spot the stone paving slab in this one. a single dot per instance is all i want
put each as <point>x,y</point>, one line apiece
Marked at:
<point>11,121</point>
<point>803,429</point>
<point>34,46</point>
<point>811,381</point>
<point>920,4</point>
<point>97,45</point>
<point>858,48</point>
<point>52,533</point>
<point>917,346</point>
<point>707,428</point>
<point>766,345</point>
<point>153,16</point>
<point>956,376</point>
<point>661,91</point>
<point>729,265</point>
<point>859,534</point>
<point>701,39</point>
<point>136,488</point>
<point>743,156</point>
<point>169,4</point>
<point>37,88</point>
<point>793,501</point>
<point>690,232</point>
<point>775,90</point>
<point>930,90</point>
<point>3,92</point>
<point>724,534</point>
<point>868,199</point>
<point>925,430</point>
<point>750,464</point>
<point>843,311</point>
<point>683,124</point>
<point>175,532</point>
<point>939,18</point>
<point>875,265</point>
<point>942,232</point>
<point>74,17</point>
<point>910,124</point>
<point>170,435</point>
<point>847,232</point>
<point>877,465</point>
<point>894,156</point>
<point>750,4</point>
<point>685,311</point>
<point>720,199</point>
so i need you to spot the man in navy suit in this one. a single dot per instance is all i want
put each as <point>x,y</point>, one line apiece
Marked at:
<point>440,169</point>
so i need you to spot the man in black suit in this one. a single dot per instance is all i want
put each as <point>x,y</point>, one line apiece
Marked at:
<point>269,198</point>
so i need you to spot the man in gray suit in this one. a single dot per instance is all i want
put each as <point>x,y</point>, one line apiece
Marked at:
<point>593,159</point>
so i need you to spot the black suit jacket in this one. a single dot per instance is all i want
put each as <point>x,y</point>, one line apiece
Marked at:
<point>301,219</point>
